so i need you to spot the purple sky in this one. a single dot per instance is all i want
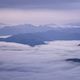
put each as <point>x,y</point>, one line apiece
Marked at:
<point>40,11</point>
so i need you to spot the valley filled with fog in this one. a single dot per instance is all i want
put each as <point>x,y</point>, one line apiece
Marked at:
<point>39,39</point>
<point>41,62</point>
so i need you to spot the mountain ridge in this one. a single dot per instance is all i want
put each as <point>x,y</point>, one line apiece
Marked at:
<point>29,28</point>
<point>39,38</point>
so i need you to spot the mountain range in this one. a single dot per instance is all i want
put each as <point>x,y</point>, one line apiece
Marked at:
<point>32,35</point>
<point>19,29</point>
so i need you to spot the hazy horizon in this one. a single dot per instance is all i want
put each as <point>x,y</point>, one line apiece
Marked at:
<point>39,11</point>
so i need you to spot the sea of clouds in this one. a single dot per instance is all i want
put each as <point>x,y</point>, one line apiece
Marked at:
<point>43,62</point>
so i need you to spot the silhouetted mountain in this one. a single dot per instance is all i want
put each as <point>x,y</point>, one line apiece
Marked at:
<point>39,38</point>
<point>29,39</point>
<point>19,29</point>
<point>74,24</point>
<point>28,28</point>
<point>63,34</point>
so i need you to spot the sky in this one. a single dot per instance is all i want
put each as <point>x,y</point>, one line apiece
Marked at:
<point>39,11</point>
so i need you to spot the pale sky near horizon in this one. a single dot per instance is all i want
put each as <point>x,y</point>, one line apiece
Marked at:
<point>39,11</point>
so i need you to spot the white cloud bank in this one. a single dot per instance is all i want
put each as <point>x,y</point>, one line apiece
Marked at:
<point>45,62</point>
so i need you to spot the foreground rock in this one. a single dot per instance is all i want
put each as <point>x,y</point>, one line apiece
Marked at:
<point>73,60</point>
<point>78,44</point>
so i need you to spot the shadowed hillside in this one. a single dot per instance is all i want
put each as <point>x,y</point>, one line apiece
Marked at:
<point>39,38</point>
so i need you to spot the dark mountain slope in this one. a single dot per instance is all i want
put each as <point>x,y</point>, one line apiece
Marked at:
<point>39,38</point>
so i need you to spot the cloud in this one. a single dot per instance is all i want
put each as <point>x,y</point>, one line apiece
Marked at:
<point>34,4</point>
<point>39,16</point>
<point>60,11</point>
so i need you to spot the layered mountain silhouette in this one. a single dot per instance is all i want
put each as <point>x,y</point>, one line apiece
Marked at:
<point>20,29</point>
<point>40,37</point>
<point>29,39</point>
<point>29,28</point>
